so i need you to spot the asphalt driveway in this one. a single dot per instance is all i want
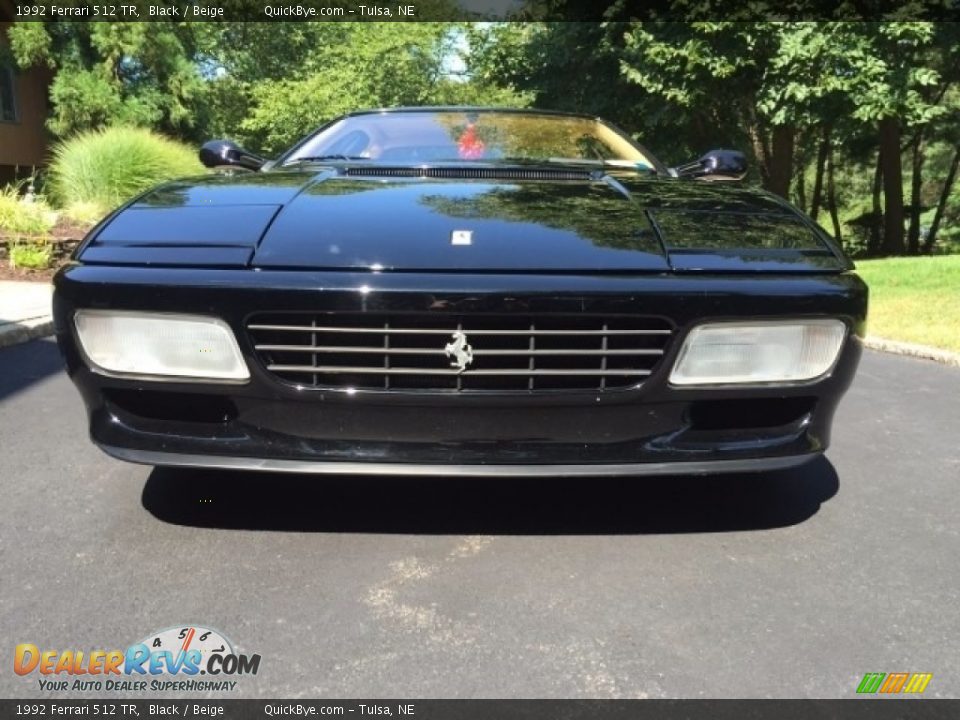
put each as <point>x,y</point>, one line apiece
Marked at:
<point>783,585</point>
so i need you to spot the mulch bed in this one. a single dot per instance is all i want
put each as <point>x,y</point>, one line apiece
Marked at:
<point>26,275</point>
<point>64,238</point>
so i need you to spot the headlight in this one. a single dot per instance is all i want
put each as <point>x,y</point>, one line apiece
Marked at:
<point>141,343</point>
<point>758,352</point>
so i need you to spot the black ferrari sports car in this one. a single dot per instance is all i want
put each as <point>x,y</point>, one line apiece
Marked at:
<point>461,291</point>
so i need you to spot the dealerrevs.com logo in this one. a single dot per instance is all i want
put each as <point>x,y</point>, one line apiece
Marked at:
<point>894,683</point>
<point>169,660</point>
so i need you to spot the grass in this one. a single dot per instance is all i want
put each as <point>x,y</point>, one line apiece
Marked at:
<point>84,212</point>
<point>19,217</point>
<point>93,172</point>
<point>36,256</point>
<point>915,299</point>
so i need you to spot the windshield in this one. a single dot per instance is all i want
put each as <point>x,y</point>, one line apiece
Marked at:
<point>458,136</point>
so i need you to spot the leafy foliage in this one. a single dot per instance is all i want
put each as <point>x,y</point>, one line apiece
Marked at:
<point>859,120</point>
<point>142,74</point>
<point>795,95</point>
<point>252,81</point>
<point>32,255</point>
<point>339,67</point>
<point>19,216</point>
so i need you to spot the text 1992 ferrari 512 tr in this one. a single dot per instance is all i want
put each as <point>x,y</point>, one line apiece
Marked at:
<point>461,291</point>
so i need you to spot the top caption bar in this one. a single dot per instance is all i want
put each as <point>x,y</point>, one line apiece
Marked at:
<point>478,10</point>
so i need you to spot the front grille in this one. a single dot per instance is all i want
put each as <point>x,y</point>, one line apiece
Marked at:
<point>468,173</point>
<point>510,353</point>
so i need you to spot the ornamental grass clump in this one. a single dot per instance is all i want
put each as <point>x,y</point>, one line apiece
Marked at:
<point>22,216</point>
<point>95,171</point>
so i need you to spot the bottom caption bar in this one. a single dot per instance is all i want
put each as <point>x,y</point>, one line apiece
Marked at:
<point>854,709</point>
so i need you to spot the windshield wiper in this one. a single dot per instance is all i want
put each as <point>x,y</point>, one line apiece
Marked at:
<point>321,158</point>
<point>638,166</point>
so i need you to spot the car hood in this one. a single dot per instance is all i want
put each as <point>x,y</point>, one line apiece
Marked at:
<point>403,219</point>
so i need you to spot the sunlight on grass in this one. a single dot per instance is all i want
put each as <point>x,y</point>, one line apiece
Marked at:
<point>915,299</point>
<point>97,170</point>
<point>20,217</point>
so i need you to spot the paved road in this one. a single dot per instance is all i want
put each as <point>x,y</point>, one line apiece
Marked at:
<point>794,584</point>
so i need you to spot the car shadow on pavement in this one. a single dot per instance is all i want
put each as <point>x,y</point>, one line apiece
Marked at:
<point>26,364</point>
<point>504,506</point>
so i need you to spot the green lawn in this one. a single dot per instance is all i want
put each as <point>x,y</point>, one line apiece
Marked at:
<point>914,299</point>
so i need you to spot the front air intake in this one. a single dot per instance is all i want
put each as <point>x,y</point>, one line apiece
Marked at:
<point>483,353</point>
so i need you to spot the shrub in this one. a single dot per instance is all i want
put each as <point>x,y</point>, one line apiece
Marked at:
<point>36,256</point>
<point>84,212</point>
<point>102,169</point>
<point>19,216</point>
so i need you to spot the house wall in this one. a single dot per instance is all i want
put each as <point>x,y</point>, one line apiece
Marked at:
<point>25,141</point>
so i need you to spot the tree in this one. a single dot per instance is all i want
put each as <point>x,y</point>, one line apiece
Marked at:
<point>262,84</point>
<point>117,73</point>
<point>895,89</point>
<point>947,135</point>
<point>564,66</point>
<point>361,65</point>
<point>843,97</point>
<point>764,81</point>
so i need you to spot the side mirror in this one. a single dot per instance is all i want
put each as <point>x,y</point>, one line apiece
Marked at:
<point>714,165</point>
<point>223,153</point>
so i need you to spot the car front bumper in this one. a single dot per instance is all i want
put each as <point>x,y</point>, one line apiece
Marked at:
<point>219,462</point>
<point>265,424</point>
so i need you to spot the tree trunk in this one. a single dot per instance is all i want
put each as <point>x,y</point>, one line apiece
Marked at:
<point>780,166</point>
<point>942,203</point>
<point>832,196</point>
<point>873,239</point>
<point>818,175</point>
<point>801,187</point>
<point>759,152</point>
<point>892,186</point>
<point>916,184</point>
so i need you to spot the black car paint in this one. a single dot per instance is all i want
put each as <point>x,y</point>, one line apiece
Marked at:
<point>329,238</point>
<point>326,220</point>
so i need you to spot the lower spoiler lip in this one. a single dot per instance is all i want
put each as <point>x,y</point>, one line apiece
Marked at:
<point>746,465</point>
